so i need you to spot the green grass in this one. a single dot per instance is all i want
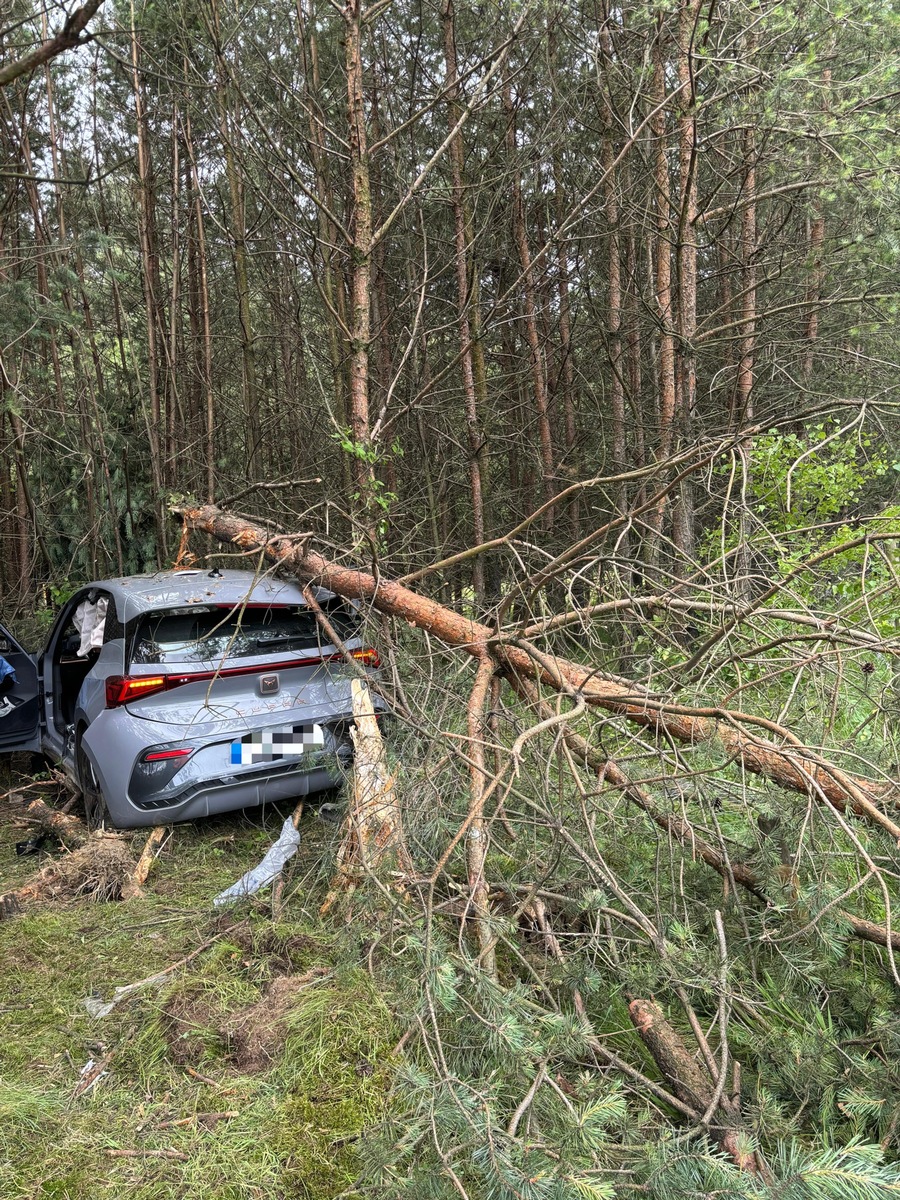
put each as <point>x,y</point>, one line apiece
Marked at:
<point>298,1122</point>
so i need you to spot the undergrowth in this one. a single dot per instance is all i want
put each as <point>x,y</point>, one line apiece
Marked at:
<point>294,1121</point>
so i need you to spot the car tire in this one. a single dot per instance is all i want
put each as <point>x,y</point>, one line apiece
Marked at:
<point>96,814</point>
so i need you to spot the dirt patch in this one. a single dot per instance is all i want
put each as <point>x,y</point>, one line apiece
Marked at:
<point>280,954</point>
<point>257,1034</point>
<point>190,1022</point>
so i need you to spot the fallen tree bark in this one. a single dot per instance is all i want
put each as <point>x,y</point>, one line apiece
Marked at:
<point>786,762</point>
<point>69,830</point>
<point>688,1080</point>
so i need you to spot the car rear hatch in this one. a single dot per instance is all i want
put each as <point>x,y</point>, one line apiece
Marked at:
<point>237,667</point>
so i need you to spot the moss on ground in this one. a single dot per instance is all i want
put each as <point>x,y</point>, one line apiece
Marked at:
<point>295,1125</point>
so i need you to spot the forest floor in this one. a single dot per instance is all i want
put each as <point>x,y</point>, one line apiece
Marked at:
<point>252,1071</point>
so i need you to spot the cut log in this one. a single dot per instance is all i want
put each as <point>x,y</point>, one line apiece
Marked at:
<point>784,761</point>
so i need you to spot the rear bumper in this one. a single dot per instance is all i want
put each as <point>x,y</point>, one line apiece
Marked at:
<point>204,799</point>
<point>208,782</point>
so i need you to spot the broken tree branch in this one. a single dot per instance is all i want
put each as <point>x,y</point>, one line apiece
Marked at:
<point>688,1080</point>
<point>67,39</point>
<point>132,887</point>
<point>683,832</point>
<point>786,762</point>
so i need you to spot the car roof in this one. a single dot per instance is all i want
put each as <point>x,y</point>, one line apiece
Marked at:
<point>136,594</point>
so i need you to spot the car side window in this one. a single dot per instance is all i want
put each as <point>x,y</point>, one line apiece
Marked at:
<point>114,628</point>
<point>68,638</point>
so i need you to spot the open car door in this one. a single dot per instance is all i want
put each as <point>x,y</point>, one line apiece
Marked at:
<point>20,729</point>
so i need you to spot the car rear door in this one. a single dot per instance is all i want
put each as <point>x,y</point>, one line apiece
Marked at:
<point>20,729</point>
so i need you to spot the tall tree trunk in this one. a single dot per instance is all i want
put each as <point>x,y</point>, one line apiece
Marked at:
<point>816,265</point>
<point>230,129</point>
<point>688,16</point>
<point>147,233</point>
<point>742,409</point>
<point>742,413</point>
<point>529,315</point>
<point>206,358</point>
<point>330,281</point>
<point>566,348</point>
<point>174,419</point>
<point>614,272</point>
<point>476,441</point>
<point>662,268</point>
<point>633,341</point>
<point>360,271</point>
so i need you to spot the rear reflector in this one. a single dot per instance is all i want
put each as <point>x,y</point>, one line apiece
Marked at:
<point>161,755</point>
<point>123,689</point>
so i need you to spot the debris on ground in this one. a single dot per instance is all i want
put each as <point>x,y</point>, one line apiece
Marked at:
<point>98,870</point>
<point>32,845</point>
<point>98,1009</point>
<point>269,869</point>
<point>90,1075</point>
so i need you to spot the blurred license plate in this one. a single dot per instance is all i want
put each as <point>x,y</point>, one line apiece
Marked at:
<point>272,745</point>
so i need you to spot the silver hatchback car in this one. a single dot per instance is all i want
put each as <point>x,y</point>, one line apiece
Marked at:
<point>172,696</point>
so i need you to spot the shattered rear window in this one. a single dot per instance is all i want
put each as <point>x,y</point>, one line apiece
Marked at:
<point>207,633</point>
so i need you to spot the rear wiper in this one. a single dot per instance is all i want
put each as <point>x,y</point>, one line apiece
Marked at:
<point>287,640</point>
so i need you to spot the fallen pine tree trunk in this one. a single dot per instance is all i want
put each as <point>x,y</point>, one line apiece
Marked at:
<point>786,762</point>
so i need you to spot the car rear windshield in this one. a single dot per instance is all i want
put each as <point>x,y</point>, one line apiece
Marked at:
<point>204,633</point>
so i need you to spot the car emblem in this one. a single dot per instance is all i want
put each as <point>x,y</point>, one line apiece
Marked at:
<point>268,685</point>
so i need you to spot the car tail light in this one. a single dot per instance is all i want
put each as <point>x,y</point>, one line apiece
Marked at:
<point>123,689</point>
<point>368,657</point>
<point>156,769</point>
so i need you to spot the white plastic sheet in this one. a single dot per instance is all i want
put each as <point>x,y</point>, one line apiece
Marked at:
<point>265,872</point>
